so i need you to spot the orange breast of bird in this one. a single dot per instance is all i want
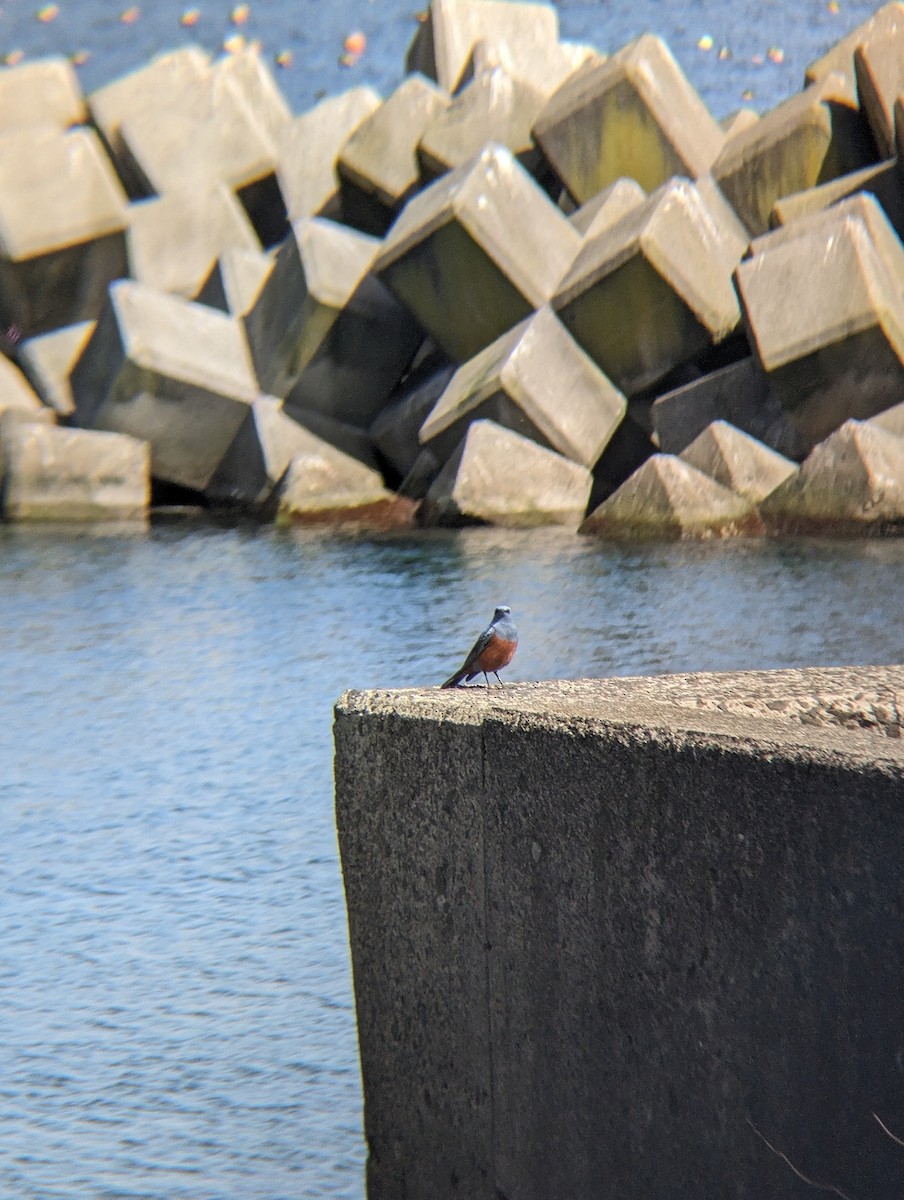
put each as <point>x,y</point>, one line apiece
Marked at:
<point>499,653</point>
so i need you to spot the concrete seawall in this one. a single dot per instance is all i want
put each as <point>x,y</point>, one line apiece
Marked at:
<point>609,937</point>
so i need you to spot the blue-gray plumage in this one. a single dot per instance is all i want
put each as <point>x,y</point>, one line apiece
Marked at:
<point>494,649</point>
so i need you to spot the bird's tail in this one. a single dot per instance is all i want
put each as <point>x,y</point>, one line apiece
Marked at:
<point>454,680</point>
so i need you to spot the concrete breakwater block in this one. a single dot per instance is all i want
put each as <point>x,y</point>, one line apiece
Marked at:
<point>811,138</point>
<point>43,92</point>
<point>53,474</point>
<point>63,217</point>
<point>739,394</point>
<point>537,381</point>
<point>378,167</point>
<point>16,392</point>
<point>840,57</point>
<point>882,180</point>
<point>235,280</point>
<point>317,270</point>
<point>737,461</point>
<point>655,289</point>
<point>495,107</point>
<point>880,80</point>
<point>47,363</point>
<point>834,347</point>
<point>851,483</point>
<point>633,115</point>
<point>608,207</point>
<point>444,43</point>
<point>667,498</point>
<point>168,371</point>
<point>476,252</point>
<point>395,432</point>
<point>498,477</point>
<point>174,240</point>
<point>322,485</point>
<point>308,150</point>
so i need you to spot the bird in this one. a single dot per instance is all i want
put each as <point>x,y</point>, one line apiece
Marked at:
<point>494,649</point>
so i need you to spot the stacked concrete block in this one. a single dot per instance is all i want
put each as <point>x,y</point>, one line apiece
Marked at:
<point>52,474</point>
<point>545,66</point>
<point>608,207</point>
<point>655,289</point>
<point>738,393</point>
<point>633,115</point>
<point>235,281</point>
<point>853,482</point>
<point>886,21</point>
<point>174,240</point>
<point>879,69</point>
<point>43,92</point>
<point>350,439</point>
<point>534,380</point>
<point>883,180</point>
<point>167,79</point>
<point>890,419</point>
<point>248,74</point>
<point>477,252</point>
<point>396,430</point>
<point>498,477</point>
<point>666,498</point>
<point>16,392</point>
<point>308,150</point>
<point>63,217</point>
<point>173,373</point>
<point>738,122</point>
<point>495,107</point>
<point>47,362</point>
<point>318,270</point>
<point>811,138</point>
<point>362,358</point>
<point>834,347</point>
<point>321,485</point>
<point>378,166</point>
<point>737,461</point>
<point>444,44</point>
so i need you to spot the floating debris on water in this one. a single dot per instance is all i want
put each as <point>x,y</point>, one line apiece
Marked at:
<point>47,13</point>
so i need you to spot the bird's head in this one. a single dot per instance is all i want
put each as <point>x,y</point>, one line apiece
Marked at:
<point>502,610</point>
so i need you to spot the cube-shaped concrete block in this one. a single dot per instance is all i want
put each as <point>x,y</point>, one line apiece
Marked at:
<point>495,107</point>
<point>47,363</point>
<point>498,477</point>
<point>839,59</point>
<point>42,92</point>
<point>395,431</point>
<point>174,240</point>
<point>737,461</point>
<point>634,115</point>
<point>810,139</point>
<point>16,392</point>
<point>265,444</point>
<point>251,77</point>
<point>350,439</point>
<point>63,217</point>
<point>879,69</point>
<point>443,45</point>
<point>168,371</point>
<point>883,180</point>
<point>667,498</point>
<point>176,77</point>
<point>608,207</point>
<point>362,358</point>
<point>53,474</point>
<point>890,419</point>
<point>318,269</point>
<point>308,150</point>
<point>378,166</point>
<point>235,281</point>
<point>853,482</point>
<point>321,485</point>
<point>477,252</point>
<point>545,67</point>
<point>834,347</point>
<point>653,290</point>
<point>738,122</point>
<point>537,381</point>
<point>738,394</point>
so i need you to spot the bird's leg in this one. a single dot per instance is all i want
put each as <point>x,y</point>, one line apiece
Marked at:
<point>487,678</point>
<point>501,684</point>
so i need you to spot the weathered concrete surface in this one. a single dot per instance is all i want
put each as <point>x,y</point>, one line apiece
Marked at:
<point>43,92</point>
<point>47,362</point>
<point>265,444</point>
<point>63,217</point>
<point>536,380</point>
<point>476,252</point>
<point>607,207</point>
<point>666,499</point>
<point>16,391</point>
<point>880,80</point>
<point>636,115</point>
<point>52,474</point>
<point>498,477</point>
<point>738,461</point>
<point>840,57</point>
<point>608,935</point>
<point>666,267</point>
<point>321,485</point>
<point>883,180</point>
<point>235,281</point>
<point>396,430</point>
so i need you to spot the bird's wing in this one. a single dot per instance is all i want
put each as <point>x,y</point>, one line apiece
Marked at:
<point>479,646</point>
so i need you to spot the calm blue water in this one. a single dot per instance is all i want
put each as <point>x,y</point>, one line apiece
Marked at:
<point>177,1020</point>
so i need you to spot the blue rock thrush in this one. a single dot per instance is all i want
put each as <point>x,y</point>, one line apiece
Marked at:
<point>494,649</point>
